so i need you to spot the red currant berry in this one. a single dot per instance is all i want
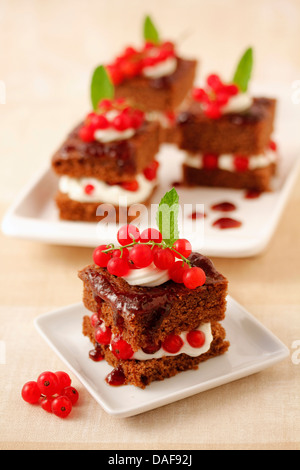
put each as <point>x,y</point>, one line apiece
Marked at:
<point>152,348</point>
<point>121,122</point>
<point>194,277</point>
<point>213,111</point>
<point>127,234</point>
<point>121,349</point>
<point>95,320</point>
<point>117,253</point>
<point>196,338</point>
<point>99,121</point>
<point>222,99</point>
<point>200,95</point>
<point>131,68</point>
<point>71,393</point>
<point>101,259</point>
<point>89,189</point>
<point>115,74</point>
<point>61,406</point>
<point>231,89</point>
<point>172,344</point>
<point>130,185</point>
<point>86,133</point>
<point>183,247</point>
<point>64,379</point>
<point>106,104</point>
<point>46,404</point>
<point>136,119</point>
<point>48,383</point>
<point>241,163</point>
<point>177,270</point>
<point>150,172</point>
<point>31,392</point>
<point>103,335</point>
<point>118,267</point>
<point>214,82</point>
<point>151,234</point>
<point>273,145</point>
<point>210,161</point>
<point>164,258</point>
<point>141,255</point>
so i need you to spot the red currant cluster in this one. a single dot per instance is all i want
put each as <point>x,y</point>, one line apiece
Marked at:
<point>53,391</point>
<point>139,250</point>
<point>127,118</point>
<point>215,96</point>
<point>132,62</point>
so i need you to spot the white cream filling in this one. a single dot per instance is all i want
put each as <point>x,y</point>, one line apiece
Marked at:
<point>103,192</point>
<point>237,103</point>
<point>160,117</point>
<point>150,276</point>
<point>186,347</point>
<point>226,161</point>
<point>166,67</point>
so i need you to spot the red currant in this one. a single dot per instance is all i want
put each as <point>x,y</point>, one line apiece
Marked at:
<point>89,189</point>
<point>121,122</point>
<point>95,320</point>
<point>210,161</point>
<point>99,121</point>
<point>200,95</point>
<point>130,185</point>
<point>115,74</point>
<point>63,379</point>
<point>103,335</point>
<point>164,258</point>
<point>31,392</point>
<point>172,344</point>
<point>231,89</point>
<point>71,393</point>
<point>152,348</point>
<point>46,404</point>
<point>183,247</point>
<point>141,255</point>
<point>127,234</point>
<point>214,82</point>
<point>101,259</point>
<point>137,119</point>
<point>196,338</point>
<point>241,163</point>
<point>194,277</point>
<point>150,172</point>
<point>117,253</point>
<point>151,234</point>
<point>48,383</point>
<point>273,145</point>
<point>86,133</point>
<point>61,406</point>
<point>213,111</point>
<point>106,104</point>
<point>118,266</point>
<point>177,270</point>
<point>121,349</point>
<point>222,98</point>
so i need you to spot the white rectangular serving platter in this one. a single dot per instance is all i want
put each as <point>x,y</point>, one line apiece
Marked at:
<point>253,348</point>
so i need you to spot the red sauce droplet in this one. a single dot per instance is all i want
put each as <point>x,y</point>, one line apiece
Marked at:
<point>197,215</point>
<point>224,207</point>
<point>96,355</point>
<point>227,222</point>
<point>252,194</point>
<point>116,377</point>
<point>176,184</point>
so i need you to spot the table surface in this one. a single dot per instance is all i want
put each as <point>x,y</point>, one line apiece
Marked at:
<point>52,47</point>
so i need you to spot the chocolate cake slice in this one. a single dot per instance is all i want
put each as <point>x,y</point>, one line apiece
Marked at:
<point>151,319</point>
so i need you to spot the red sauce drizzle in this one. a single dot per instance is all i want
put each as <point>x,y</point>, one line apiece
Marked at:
<point>196,215</point>
<point>224,207</point>
<point>252,194</point>
<point>116,377</point>
<point>95,355</point>
<point>227,222</point>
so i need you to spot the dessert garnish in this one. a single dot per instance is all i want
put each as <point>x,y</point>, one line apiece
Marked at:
<point>53,391</point>
<point>111,119</point>
<point>137,61</point>
<point>160,248</point>
<point>216,95</point>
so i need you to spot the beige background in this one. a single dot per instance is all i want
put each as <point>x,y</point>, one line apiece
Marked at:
<point>48,51</point>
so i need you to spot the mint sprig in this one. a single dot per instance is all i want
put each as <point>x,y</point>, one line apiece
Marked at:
<point>167,217</point>
<point>243,71</point>
<point>150,32</point>
<point>101,86</point>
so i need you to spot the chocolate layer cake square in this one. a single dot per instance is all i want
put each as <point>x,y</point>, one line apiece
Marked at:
<point>147,318</point>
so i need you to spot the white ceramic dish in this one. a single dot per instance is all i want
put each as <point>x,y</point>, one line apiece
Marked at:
<point>34,216</point>
<point>253,348</point>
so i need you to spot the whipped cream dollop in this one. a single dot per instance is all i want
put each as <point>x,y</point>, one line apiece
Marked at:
<point>226,161</point>
<point>185,349</point>
<point>150,276</point>
<point>166,67</point>
<point>103,192</point>
<point>237,103</point>
<point>159,116</point>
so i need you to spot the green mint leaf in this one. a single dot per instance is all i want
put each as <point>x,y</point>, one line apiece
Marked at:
<point>150,31</point>
<point>167,217</point>
<point>101,86</point>
<point>243,71</point>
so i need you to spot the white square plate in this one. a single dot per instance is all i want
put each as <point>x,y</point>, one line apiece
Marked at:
<point>34,215</point>
<point>253,348</point>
